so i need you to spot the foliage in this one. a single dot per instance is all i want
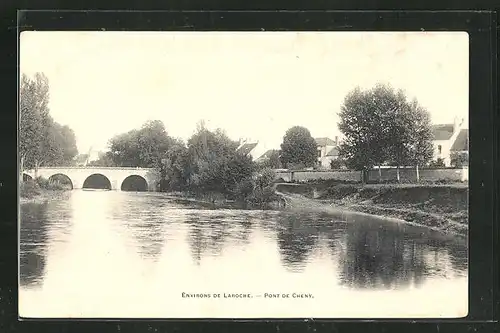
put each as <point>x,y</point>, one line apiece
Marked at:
<point>175,167</point>
<point>213,164</point>
<point>439,163</point>
<point>263,190</point>
<point>272,161</point>
<point>337,164</point>
<point>459,159</point>
<point>29,189</point>
<point>140,148</point>
<point>381,126</point>
<point>42,141</point>
<point>298,148</point>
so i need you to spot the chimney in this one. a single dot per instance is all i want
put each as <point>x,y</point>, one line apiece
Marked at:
<point>336,140</point>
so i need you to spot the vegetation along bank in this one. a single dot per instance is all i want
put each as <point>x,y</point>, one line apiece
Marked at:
<point>440,206</point>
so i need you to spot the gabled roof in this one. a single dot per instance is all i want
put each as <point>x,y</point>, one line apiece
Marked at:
<point>333,152</point>
<point>246,148</point>
<point>267,154</point>
<point>462,141</point>
<point>324,141</point>
<point>442,131</point>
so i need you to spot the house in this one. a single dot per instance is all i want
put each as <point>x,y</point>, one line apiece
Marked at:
<point>251,148</point>
<point>266,155</point>
<point>246,148</point>
<point>449,138</point>
<point>327,150</point>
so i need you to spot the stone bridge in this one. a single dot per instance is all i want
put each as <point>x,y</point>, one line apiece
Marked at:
<point>115,176</point>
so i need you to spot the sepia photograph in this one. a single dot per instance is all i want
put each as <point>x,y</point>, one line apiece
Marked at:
<point>243,174</point>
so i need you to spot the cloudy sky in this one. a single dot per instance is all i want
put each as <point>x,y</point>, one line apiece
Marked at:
<point>252,84</point>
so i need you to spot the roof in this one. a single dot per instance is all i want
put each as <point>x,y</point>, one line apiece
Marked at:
<point>333,152</point>
<point>246,148</point>
<point>462,141</point>
<point>325,142</point>
<point>442,131</point>
<point>268,153</point>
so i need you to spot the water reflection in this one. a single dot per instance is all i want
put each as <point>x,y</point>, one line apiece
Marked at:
<point>33,244</point>
<point>210,232</point>
<point>115,240</point>
<point>378,257</point>
<point>297,237</point>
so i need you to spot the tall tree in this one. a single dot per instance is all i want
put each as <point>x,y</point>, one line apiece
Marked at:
<point>381,126</point>
<point>364,123</point>
<point>42,141</point>
<point>299,148</point>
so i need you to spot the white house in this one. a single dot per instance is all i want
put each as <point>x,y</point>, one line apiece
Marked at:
<point>254,149</point>
<point>327,151</point>
<point>450,138</point>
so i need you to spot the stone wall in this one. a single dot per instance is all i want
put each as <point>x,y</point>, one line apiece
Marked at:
<point>406,175</point>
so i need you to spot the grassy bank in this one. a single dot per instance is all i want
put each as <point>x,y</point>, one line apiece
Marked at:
<point>442,207</point>
<point>40,190</point>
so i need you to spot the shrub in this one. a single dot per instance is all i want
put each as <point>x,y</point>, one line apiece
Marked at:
<point>29,189</point>
<point>42,182</point>
<point>439,163</point>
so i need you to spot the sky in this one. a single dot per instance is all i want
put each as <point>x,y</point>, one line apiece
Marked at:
<point>254,85</point>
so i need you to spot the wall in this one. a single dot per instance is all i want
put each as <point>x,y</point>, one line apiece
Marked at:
<point>406,175</point>
<point>347,175</point>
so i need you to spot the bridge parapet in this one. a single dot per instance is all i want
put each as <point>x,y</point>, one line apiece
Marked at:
<point>115,175</point>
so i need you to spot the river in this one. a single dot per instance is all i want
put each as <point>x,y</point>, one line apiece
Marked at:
<point>119,254</point>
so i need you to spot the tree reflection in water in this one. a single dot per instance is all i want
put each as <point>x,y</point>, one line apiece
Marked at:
<point>297,236</point>
<point>209,233</point>
<point>148,230</point>
<point>33,244</point>
<point>384,257</point>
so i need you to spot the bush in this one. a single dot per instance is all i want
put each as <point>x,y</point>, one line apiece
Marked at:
<point>42,182</point>
<point>29,189</point>
<point>439,163</point>
<point>337,164</point>
<point>265,178</point>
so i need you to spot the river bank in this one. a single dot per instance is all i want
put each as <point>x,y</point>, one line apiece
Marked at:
<point>440,207</point>
<point>44,195</point>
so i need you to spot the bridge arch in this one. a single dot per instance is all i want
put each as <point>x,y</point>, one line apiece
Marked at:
<point>134,183</point>
<point>26,177</point>
<point>97,181</point>
<point>61,179</point>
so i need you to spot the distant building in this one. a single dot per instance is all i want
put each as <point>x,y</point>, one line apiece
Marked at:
<point>266,155</point>
<point>252,148</point>
<point>327,150</point>
<point>81,159</point>
<point>449,138</point>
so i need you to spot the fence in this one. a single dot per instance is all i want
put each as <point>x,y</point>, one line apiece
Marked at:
<point>406,175</point>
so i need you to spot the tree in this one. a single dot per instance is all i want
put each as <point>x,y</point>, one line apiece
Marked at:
<point>298,149</point>
<point>459,159</point>
<point>144,147</point>
<point>337,164</point>
<point>381,126</point>
<point>42,141</point>
<point>175,167</point>
<point>410,136</point>
<point>364,123</point>
<point>214,165</point>
<point>33,105</point>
